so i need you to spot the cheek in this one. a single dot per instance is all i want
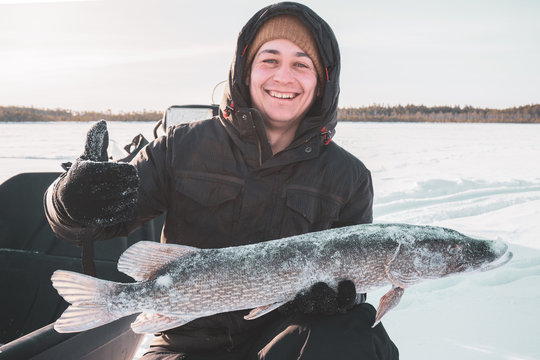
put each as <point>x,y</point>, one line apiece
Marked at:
<point>309,83</point>
<point>255,90</point>
<point>311,90</point>
<point>257,75</point>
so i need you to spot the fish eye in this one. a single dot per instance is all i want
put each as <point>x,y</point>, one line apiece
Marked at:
<point>454,249</point>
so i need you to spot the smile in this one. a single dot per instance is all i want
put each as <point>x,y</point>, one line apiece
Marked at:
<point>282,95</point>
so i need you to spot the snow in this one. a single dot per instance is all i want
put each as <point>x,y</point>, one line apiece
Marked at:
<point>164,281</point>
<point>480,179</point>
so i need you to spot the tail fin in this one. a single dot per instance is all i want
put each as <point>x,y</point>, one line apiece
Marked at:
<point>89,298</point>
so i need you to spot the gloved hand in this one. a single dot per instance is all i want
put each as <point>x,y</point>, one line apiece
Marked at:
<point>94,191</point>
<point>322,299</point>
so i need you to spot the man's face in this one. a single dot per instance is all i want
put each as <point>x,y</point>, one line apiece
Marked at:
<point>282,83</point>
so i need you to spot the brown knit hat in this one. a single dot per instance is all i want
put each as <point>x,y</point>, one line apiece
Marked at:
<point>291,28</point>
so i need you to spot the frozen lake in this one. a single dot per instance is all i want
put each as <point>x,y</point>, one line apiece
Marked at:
<point>480,179</point>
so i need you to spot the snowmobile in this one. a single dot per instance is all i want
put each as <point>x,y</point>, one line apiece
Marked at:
<point>30,253</point>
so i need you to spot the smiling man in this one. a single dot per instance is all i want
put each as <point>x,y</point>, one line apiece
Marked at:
<point>264,169</point>
<point>284,70</point>
<point>282,86</point>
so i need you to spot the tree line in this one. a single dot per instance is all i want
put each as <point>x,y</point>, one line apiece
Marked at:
<point>378,113</point>
<point>421,113</point>
<point>22,114</point>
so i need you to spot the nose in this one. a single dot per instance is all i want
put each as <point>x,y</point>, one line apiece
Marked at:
<point>283,74</point>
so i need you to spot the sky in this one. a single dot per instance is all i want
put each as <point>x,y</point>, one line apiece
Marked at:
<point>134,55</point>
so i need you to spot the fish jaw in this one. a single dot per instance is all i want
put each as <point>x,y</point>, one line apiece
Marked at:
<point>502,260</point>
<point>499,257</point>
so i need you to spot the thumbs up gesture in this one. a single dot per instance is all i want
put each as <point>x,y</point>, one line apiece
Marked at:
<point>95,191</point>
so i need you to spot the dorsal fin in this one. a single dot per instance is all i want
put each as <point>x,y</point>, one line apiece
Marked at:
<point>144,258</point>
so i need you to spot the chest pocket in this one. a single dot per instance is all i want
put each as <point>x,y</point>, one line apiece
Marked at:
<point>207,200</point>
<point>309,210</point>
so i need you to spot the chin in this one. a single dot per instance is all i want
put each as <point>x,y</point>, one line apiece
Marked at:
<point>282,119</point>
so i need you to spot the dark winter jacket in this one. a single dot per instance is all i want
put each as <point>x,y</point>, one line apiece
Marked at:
<point>220,185</point>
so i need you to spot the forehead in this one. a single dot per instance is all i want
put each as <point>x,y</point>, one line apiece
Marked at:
<point>281,47</point>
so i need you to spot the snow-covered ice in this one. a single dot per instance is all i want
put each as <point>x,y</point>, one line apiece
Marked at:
<point>480,179</point>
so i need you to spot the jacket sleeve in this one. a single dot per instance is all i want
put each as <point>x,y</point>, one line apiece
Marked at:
<point>151,164</point>
<point>359,209</point>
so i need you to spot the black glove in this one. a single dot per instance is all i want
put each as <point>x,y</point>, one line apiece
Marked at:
<point>322,299</point>
<point>94,191</point>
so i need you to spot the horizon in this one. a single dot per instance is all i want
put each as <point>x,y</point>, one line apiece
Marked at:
<point>126,56</point>
<point>141,111</point>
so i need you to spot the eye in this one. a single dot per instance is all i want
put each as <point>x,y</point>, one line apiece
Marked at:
<point>454,249</point>
<point>269,61</point>
<point>303,65</point>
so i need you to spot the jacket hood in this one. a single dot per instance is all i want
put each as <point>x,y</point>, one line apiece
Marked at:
<point>323,113</point>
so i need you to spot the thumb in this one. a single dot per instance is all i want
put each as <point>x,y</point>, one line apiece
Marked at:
<point>97,141</point>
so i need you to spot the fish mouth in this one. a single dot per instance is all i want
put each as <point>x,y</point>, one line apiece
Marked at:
<point>505,258</point>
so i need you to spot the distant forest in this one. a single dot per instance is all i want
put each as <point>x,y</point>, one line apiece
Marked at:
<point>20,114</point>
<point>415,113</point>
<point>378,113</point>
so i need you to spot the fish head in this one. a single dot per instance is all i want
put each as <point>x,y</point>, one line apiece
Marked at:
<point>432,257</point>
<point>478,255</point>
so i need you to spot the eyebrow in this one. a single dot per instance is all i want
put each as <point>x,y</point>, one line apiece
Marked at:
<point>276,52</point>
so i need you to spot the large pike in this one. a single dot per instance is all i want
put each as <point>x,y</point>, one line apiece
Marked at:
<point>176,284</point>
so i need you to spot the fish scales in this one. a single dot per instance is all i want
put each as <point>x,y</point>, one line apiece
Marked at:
<point>233,279</point>
<point>177,284</point>
<point>250,276</point>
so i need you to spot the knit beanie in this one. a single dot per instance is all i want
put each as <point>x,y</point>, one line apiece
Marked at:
<point>291,28</point>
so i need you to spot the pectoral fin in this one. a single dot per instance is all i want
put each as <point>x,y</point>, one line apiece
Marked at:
<point>262,310</point>
<point>388,302</point>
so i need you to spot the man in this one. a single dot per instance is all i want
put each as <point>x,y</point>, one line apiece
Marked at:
<point>264,169</point>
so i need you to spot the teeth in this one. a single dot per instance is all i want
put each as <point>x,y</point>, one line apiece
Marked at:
<point>280,95</point>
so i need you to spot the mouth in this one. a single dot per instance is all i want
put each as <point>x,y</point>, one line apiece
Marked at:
<point>506,257</point>
<point>282,95</point>
<point>499,252</point>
